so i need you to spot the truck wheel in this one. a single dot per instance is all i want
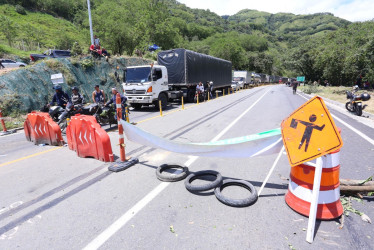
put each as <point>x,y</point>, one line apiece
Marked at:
<point>136,105</point>
<point>199,188</point>
<point>190,96</point>
<point>236,202</point>
<point>171,177</point>
<point>164,101</point>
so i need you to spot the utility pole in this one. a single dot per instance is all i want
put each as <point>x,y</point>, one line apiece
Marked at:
<point>90,21</point>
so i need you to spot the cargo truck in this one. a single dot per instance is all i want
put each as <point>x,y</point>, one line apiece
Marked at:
<point>243,78</point>
<point>176,74</point>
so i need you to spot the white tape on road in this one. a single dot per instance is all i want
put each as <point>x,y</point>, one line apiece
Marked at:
<point>367,138</point>
<point>118,224</point>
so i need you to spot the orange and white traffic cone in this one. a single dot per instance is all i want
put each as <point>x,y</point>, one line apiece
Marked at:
<point>123,164</point>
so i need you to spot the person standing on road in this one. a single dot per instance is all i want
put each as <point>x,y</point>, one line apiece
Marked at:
<point>98,95</point>
<point>200,87</point>
<point>294,86</point>
<point>1,65</point>
<point>123,102</point>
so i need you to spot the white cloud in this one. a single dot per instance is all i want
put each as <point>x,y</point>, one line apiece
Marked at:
<point>352,10</point>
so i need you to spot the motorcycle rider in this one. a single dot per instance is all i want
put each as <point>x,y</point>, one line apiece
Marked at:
<point>76,101</point>
<point>123,102</point>
<point>98,95</point>
<point>60,97</point>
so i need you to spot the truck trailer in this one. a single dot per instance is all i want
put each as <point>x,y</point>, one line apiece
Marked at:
<point>176,74</point>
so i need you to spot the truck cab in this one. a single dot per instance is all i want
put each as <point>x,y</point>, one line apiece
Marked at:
<point>146,85</point>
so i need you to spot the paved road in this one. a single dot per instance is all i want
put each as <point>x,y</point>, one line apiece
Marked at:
<point>51,199</point>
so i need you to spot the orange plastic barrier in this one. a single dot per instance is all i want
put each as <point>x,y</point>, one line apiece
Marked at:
<point>41,129</point>
<point>300,188</point>
<point>88,139</point>
<point>2,121</point>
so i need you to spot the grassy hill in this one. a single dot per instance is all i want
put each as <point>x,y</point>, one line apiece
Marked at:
<point>35,32</point>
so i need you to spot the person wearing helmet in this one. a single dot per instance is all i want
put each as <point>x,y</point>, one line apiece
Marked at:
<point>76,102</point>
<point>76,98</point>
<point>60,97</point>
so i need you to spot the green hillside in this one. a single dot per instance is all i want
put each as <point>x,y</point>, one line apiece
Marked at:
<point>319,46</point>
<point>36,32</point>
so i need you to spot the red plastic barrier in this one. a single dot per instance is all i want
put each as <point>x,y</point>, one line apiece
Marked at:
<point>88,139</point>
<point>2,121</point>
<point>41,129</point>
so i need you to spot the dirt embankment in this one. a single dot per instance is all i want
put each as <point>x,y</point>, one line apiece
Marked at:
<point>29,88</point>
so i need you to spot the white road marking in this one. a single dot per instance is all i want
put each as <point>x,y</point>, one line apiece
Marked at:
<point>367,138</point>
<point>118,224</point>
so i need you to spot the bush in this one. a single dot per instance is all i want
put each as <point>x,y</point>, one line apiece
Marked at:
<point>311,89</point>
<point>87,63</point>
<point>76,49</point>
<point>20,10</point>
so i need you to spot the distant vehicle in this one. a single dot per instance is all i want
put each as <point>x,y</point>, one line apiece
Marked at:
<point>243,78</point>
<point>235,85</point>
<point>177,73</point>
<point>7,63</point>
<point>255,78</point>
<point>51,53</point>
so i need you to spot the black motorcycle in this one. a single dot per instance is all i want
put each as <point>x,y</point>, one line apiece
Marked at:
<point>355,103</point>
<point>105,114</point>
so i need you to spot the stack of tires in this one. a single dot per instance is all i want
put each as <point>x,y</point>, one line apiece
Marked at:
<point>218,184</point>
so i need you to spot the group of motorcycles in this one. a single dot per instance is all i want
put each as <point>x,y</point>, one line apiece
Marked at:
<point>103,114</point>
<point>355,101</point>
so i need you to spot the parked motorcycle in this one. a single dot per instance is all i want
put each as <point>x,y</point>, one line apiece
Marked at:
<point>201,96</point>
<point>105,114</point>
<point>355,103</point>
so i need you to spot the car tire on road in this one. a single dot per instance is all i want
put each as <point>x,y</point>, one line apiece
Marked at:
<point>171,178</point>
<point>205,187</point>
<point>236,202</point>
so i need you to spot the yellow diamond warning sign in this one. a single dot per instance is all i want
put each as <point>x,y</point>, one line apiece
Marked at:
<point>310,132</point>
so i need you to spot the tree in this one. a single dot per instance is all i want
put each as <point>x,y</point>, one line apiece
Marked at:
<point>8,28</point>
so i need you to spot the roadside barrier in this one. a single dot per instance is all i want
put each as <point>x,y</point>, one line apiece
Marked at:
<point>300,188</point>
<point>88,139</point>
<point>124,164</point>
<point>2,121</point>
<point>41,129</point>
<point>160,105</point>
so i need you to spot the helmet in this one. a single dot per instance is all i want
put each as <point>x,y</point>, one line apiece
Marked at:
<point>75,88</point>
<point>57,87</point>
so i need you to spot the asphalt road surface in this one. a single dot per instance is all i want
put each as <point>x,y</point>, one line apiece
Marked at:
<point>52,199</point>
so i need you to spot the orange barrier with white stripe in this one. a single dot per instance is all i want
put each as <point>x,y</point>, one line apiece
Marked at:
<point>2,121</point>
<point>300,188</point>
<point>41,129</point>
<point>120,128</point>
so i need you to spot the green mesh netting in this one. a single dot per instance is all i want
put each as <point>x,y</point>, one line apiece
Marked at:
<point>23,90</point>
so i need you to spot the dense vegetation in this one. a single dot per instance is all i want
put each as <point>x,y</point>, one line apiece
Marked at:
<point>319,46</point>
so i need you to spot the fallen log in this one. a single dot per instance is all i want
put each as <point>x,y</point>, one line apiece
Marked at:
<point>356,186</point>
<point>349,182</point>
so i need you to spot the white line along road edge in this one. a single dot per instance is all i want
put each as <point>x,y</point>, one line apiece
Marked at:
<point>118,224</point>
<point>367,138</point>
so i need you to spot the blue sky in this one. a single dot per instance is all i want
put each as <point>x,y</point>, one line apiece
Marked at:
<point>352,10</point>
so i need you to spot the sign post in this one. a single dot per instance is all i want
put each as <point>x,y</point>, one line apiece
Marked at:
<point>310,133</point>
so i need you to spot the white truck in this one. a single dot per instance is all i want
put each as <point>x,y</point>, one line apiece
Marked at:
<point>243,78</point>
<point>176,74</point>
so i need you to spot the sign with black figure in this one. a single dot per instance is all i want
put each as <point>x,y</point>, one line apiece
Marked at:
<point>310,132</point>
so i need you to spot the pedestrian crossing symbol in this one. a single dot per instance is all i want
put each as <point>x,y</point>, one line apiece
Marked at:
<point>310,132</point>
